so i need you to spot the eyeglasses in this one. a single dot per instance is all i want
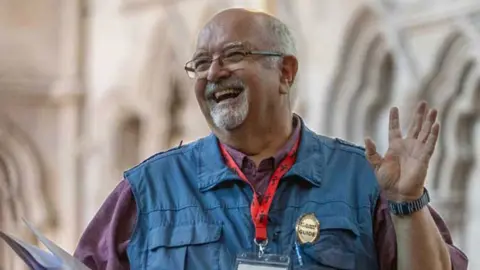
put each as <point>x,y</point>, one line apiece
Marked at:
<point>198,68</point>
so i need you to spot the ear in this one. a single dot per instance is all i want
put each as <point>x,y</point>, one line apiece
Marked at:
<point>289,70</point>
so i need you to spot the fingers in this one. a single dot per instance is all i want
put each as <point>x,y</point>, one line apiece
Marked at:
<point>431,142</point>
<point>394,131</point>
<point>371,153</point>
<point>417,121</point>
<point>370,147</point>
<point>427,126</point>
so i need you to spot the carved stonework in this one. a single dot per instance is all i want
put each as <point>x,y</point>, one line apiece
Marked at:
<point>21,187</point>
<point>363,81</point>
<point>475,19</point>
<point>412,5</point>
<point>452,209</point>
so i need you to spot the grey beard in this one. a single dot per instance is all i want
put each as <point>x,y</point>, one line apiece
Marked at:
<point>230,115</point>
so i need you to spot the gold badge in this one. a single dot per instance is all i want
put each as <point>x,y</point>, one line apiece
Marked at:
<point>308,228</point>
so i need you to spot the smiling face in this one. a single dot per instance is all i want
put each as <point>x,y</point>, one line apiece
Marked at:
<point>237,92</point>
<point>227,102</point>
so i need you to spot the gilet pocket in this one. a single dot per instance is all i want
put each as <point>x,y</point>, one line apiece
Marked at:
<point>185,246</point>
<point>335,247</point>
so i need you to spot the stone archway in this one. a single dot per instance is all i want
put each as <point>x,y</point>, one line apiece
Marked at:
<point>363,82</point>
<point>22,189</point>
<point>454,88</point>
<point>173,113</point>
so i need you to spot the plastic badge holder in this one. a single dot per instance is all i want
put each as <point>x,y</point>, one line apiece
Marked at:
<point>252,261</point>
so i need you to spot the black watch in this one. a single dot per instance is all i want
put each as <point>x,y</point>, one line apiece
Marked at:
<point>408,208</point>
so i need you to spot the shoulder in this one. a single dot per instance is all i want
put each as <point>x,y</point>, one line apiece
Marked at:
<point>180,151</point>
<point>331,146</point>
<point>336,144</point>
<point>347,160</point>
<point>344,145</point>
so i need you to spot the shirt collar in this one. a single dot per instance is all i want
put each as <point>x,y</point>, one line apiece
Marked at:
<point>240,157</point>
<point>309,163</point>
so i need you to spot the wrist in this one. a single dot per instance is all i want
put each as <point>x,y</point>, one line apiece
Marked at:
<point>406,208</point>
<point>399,198</point>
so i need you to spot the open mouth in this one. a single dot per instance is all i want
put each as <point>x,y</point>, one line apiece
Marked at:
<point>225,94</point>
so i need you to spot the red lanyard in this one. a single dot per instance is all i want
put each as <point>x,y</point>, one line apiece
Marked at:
<point>259,208</point>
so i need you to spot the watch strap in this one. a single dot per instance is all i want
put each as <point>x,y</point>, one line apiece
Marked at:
<point>408,208</point>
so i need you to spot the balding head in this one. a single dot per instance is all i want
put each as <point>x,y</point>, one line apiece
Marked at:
<point>269,30</point>
<point>256,65</point>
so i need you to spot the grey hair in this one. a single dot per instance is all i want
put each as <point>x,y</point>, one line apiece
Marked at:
<point>284,42</point>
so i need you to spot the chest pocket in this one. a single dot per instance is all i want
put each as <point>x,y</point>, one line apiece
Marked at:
<point>335,247</point>
<point>189,246</point>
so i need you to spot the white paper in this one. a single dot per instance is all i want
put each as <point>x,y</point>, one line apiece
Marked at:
<point>68,261</point>
<point>44,258</point>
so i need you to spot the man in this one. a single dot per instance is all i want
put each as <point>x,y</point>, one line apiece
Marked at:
<point>263,188</point>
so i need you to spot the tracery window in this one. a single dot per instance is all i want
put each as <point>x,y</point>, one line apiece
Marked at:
<point>454,88</point>
<point>22,193</point>
<point>361,91</point>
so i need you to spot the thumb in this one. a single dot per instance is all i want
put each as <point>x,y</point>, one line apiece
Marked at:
<point>371,153</point>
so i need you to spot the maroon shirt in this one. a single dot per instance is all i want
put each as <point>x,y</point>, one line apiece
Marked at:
<point>104,242</point>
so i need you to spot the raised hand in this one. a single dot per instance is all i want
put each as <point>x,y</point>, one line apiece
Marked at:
<point>402,172</point>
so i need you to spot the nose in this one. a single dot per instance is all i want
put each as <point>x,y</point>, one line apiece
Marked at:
<point>217,72</point>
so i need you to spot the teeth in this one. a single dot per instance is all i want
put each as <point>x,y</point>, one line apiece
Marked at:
<point>225,92</point>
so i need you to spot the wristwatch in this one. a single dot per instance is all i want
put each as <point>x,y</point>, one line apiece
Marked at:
<point>408,208</point>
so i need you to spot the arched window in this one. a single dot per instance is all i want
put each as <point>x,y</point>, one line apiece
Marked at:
<point>11,205</point>
<point>163,74</point>
<point>22,193</point>
<point>376,102</point>
<point>363,82</point>
<point>454,88</point>
<point>6,210</point>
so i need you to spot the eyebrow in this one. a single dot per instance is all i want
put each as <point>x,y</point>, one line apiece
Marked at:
<point>237,44</point>
<point>199,54</point>
<point>228,46</point>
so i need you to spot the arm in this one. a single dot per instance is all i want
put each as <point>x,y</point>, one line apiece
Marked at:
<point>103,245</point>
<point>401,175</point>
<point>419,242</point>
<point>387,240</point>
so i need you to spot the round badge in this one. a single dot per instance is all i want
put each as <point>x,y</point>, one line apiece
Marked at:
<point>308,228</point>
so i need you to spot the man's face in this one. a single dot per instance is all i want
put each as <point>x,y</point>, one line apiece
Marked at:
<point>232,94</point>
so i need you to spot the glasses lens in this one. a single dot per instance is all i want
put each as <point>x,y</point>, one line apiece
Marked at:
<point>231,60</point>
<point>233,56</point>
<point>190,69</point>
<point>201,64</point>
<point>191,74</point>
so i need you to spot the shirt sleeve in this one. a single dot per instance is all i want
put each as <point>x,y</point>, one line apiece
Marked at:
<point>103,245</point>
<point>386,243</point>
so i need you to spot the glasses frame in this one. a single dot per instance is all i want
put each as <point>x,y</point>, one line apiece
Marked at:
<point>190,70</point>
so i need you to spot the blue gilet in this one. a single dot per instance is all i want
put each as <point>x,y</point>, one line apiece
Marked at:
<point>194,213</point>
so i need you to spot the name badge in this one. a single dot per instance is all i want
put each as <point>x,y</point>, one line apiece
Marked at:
<point>308,228</point>
<point>252,261</point>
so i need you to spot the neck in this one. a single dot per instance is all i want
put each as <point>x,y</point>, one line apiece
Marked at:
<point>259,141</point>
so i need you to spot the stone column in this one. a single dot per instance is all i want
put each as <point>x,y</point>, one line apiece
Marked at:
<point>67,94</point>
<point>67,169</point>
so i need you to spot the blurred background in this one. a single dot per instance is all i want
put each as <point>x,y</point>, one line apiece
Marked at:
<point>90,88</point>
